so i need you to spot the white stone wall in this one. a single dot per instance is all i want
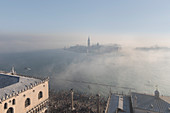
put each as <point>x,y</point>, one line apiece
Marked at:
<point>32,93</point>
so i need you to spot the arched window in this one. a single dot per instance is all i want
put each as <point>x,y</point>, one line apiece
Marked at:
<point>40,95</point>
<point>13,102</point>
<point>5,106</point>
<point>27,102</point>
<point>10,110</point>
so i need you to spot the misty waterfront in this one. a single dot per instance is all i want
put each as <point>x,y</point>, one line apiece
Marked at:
<point>142,70</point>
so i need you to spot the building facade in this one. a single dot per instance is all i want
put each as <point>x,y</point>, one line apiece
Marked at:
<point>20,94</point>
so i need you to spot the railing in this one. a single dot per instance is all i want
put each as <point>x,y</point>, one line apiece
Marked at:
<point>38,108</point>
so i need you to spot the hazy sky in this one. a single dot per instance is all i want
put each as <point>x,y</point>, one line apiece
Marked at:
<point>73,20</point>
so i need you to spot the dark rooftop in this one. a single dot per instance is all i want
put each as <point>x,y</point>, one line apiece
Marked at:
<point>7,80</point>
<point>150,102</point>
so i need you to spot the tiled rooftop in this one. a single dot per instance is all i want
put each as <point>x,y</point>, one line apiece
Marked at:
<point>12,84</point>
<point>113,105</point>
<point>120,102</point>
<point>151,103</point>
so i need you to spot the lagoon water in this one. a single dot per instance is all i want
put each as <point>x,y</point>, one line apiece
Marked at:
<point>140,70</point>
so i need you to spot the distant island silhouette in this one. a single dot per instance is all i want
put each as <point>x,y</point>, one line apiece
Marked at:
<point>96,48</point>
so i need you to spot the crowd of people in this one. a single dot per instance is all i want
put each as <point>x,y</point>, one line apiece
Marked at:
<point>60,102</point>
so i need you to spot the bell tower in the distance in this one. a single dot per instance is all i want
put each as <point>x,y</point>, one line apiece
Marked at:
<point>88,41</point>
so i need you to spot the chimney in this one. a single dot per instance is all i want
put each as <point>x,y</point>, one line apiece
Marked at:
<point>135,101</point>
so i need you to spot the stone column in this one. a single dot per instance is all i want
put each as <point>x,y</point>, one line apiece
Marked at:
<point>98,103</point>
<point>72,101</point>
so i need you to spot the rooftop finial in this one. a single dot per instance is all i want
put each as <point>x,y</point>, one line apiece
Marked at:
<point>156,92</point>
<point>13,71</point>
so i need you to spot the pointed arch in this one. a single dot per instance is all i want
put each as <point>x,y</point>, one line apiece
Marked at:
<point>27,102</point>
<point>40,95</point>
<point>5,106</point>
<point>10,110</point>
<point>13,102</point>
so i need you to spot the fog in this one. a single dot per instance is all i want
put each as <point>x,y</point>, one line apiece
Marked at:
<point>126,69</point>
<point>140,70</point>
<point>12,43</point>
<point>22,42</point>
<point>129,68</point>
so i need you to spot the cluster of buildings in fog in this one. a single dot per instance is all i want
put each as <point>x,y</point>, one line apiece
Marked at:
<point>152,48</point>
<point>96,48</point>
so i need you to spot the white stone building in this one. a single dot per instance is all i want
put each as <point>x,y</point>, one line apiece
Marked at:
<point>21,94</point>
